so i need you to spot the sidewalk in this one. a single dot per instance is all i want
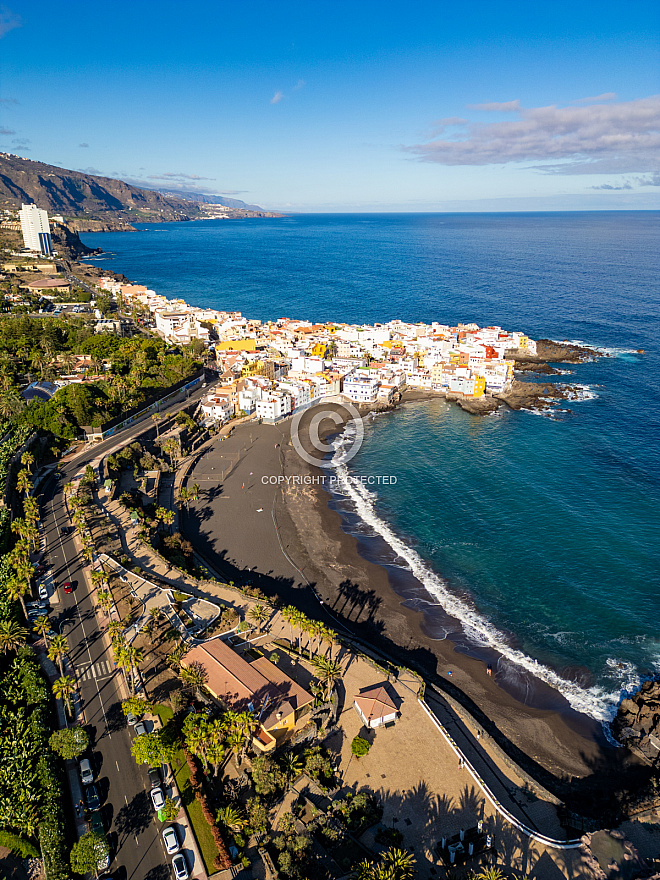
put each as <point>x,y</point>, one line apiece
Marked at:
<point>187,838</point>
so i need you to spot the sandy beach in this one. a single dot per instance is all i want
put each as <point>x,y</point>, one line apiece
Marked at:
<point>285,538</point>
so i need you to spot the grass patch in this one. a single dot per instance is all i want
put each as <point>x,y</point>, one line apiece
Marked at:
<point>200,826</point>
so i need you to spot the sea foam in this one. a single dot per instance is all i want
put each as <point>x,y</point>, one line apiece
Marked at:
<point>593,701</point>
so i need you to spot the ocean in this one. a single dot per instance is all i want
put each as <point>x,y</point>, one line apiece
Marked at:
<point>539,532</point>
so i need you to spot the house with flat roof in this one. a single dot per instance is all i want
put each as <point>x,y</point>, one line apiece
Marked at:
<point>251,683</point>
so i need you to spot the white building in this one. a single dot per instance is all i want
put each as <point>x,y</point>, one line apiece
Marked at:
<point>363,389</point>
<point>273,406</point>
<point>216,408</point>
<point>36,229</point>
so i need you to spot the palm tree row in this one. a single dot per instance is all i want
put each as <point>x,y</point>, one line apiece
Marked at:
<point>318,633</point>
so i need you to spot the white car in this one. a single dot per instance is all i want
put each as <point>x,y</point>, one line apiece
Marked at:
<point>131,719</point>
<point>179,868</point>
<point>157,798</point>
<point>171,841</point>
<point>140,729</point>
<point>86,772</point>
<point>43,591</point>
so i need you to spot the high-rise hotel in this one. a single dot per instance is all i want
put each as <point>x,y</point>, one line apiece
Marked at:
<point>36,229</point>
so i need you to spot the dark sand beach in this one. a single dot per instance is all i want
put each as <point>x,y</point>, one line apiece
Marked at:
<point>284,536</point>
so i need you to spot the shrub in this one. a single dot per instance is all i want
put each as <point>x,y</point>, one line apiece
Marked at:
<point>360,746</point>
<point>18,845</point>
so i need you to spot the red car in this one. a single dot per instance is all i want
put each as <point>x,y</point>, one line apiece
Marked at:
<point>67,587</point>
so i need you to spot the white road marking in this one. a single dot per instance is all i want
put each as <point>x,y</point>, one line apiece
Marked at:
<point>117,766</point>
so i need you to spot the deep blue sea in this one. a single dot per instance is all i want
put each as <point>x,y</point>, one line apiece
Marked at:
<point>540,532</point>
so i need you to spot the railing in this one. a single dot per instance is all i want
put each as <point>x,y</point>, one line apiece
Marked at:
<point>534,835</point>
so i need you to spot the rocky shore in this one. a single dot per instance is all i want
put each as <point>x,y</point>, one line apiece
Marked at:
<point>637,722</point>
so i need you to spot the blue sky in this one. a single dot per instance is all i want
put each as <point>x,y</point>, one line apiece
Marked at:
<point>344,106</point>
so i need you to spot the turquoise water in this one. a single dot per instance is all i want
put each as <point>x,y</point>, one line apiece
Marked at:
<point>538,532</point>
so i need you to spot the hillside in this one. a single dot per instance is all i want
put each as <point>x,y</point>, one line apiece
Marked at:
<point>94,201</point>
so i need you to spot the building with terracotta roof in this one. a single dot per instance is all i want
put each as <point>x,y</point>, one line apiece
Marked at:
<point>376,706</point>
<point>252,683</point>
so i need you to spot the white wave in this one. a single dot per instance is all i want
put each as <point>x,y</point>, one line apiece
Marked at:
<point>582,392</point>
<point>609,351</point>
<point>593,701</point>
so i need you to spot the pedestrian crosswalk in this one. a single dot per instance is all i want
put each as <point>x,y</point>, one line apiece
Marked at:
<point>102,669</point>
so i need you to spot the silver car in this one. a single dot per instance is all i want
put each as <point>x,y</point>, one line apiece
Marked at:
<point>86,772</point>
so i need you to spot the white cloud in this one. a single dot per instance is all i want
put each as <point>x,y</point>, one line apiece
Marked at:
<point>596,138</point>
<point>277,97</point>
<point>497,106</point>
<point>606,96</point>
<point>8,20</point>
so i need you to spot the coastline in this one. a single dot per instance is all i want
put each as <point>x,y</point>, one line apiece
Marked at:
<point>291,541</point>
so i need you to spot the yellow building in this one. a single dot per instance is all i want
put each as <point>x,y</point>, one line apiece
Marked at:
<point>237,345</point>
<point>251,683</point>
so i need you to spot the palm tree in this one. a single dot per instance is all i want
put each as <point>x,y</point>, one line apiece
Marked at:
<point>259,614</point>
<point>168,518</point>
<point>328,672</point>
<point>42,627</point>
<point>23,482</point>
<point>27,460</point>
<point>292,766</point>
<point>12,636</point>
<point>231,817</point>
<point>242,727</point>
<point>16,589</point>
<point>11,403</point>
<point>183,497</point>
<point>57,651</point>
<point>489,874</point>
<point>193,676</point>
<point>64,688</point>
<point>157,417</point>
<point>401,864</point>
<point>193,492</point>
<point>134,656</point>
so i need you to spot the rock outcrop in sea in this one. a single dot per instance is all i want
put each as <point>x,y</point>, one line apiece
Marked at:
<point>637,722</point>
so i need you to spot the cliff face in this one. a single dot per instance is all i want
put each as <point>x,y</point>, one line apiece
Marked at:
<point>86,196</point>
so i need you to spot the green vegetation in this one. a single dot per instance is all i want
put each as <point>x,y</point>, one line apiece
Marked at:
<point>71,742</point>
<point>360,746</point>
<point>135,371</point>
<point>30,779</point>
<point>88,853</point>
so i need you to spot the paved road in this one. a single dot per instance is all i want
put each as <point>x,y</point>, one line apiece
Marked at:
<point>127,812</point>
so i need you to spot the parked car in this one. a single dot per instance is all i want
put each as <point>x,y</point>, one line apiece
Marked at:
<point>92,798</point>
<point>67,586</point>
<point>157,798</point>
<point>171,841</point>
<point>179,867</point>
<point>154,777</point>
<point>43,591</point>
<point>140,728</point>
<point>96,823</point>
<point>86,772</point>
<point>131,719</point>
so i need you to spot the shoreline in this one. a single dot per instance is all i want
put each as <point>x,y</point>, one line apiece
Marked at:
<point>285,539</point>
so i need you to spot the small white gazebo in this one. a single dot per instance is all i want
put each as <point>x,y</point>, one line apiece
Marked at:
<point>375,706</point>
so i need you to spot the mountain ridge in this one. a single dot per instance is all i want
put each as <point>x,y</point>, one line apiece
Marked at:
<point>93,198</point>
